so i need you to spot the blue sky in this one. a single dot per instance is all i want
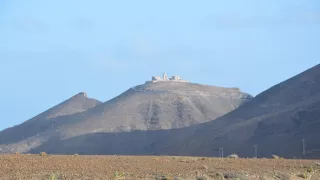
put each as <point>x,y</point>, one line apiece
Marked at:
<point>51,50</point>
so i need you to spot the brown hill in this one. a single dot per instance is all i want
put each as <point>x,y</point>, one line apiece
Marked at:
<point>162,105</point>
<point>276,120</point>
<point>44,121</point>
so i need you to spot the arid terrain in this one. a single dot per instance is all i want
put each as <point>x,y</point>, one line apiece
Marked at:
<point>33,166</point>
<point>184,119</point>
<point>146,107</point>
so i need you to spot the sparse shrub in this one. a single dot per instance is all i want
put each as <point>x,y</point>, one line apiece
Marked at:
<point>177,178</point>
<point>43,154</point>
<point>164,177</point>
<point>53,177</point>
<point>233,156</point>
<point>204,167</point>
<point>265,178</point>
<point>307,173</point>
<point>203,177</point>
<point>310,170</point>
<point>218,176</point>
<point>118,176</point>
<point>276,157</point>
<point>304,175</point>
<point>235,177</point>
<point>156,158</point>
<point>282,176</point>
<point>193,159</point>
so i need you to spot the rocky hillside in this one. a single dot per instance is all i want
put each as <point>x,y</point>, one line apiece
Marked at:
<point>162,105</point>
<point>276,121</point>
<point>158,106</point>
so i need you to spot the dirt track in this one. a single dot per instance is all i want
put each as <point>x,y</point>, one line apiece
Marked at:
<point>27,167</point>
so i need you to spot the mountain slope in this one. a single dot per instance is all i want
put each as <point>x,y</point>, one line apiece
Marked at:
<point>161,105</point>
<point>276,120</point>
<point>43,122</point>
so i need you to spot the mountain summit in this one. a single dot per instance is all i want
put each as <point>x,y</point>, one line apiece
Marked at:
<point>276,121</point>
<point>160,105</point>
<point>163,103</point>
<point>44,122</point>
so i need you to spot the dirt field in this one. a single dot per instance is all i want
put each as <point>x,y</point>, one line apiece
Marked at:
<point>29,167</point>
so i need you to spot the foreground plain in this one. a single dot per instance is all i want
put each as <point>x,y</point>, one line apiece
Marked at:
<point>32,166</point>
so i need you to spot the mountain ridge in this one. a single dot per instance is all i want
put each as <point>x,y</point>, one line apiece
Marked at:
<point>155,106</point>
<point>76,104</point>
<point>149,103</point>
<point>275,129</point>
<point>275,120</point>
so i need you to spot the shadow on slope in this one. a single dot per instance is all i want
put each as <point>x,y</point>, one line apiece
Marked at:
<point>279,139</point>
<point>276,120</point>
<point>121,143</point>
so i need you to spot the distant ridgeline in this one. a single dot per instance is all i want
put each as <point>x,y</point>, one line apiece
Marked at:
<point>165,79</point>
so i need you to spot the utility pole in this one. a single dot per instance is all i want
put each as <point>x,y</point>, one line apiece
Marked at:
<point>303,147</point>
<point>255,150</point>
<point>221,152</point>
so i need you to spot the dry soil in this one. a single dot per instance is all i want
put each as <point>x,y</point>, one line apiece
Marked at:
<point>32,166</point>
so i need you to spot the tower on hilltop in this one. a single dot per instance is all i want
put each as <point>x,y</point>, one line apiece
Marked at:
<point>165,78</point>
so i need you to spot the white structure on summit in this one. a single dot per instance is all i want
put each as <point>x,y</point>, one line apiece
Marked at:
<point>165,78</point>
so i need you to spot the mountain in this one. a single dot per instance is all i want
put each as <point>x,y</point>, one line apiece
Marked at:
<point>276,121</point>
<point>161,105</point>
<point>151,106</point>
<point>43,122</point>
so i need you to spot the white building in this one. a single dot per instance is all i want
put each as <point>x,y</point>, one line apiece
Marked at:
<point>175,78</point>
<point>165,78</point>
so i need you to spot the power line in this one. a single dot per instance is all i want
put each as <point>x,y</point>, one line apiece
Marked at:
<point>303,147</point>
<point>255,147</point>
<point>221,152</point>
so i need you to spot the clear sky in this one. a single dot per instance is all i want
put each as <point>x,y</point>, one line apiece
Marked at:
<point>51,50</point>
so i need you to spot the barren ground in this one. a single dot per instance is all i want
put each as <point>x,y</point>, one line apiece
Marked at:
<point>29,167</point>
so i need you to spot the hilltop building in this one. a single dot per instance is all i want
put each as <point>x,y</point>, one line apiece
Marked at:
<point>165,78</point>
